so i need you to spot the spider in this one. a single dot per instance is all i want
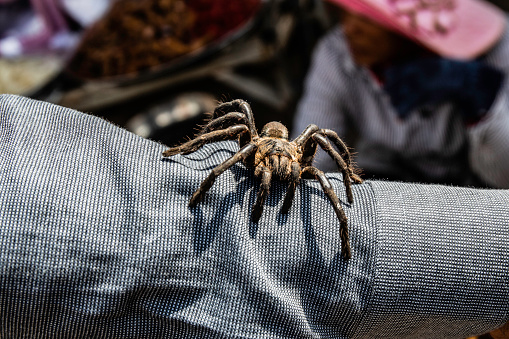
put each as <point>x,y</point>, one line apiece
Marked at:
<point>271,154</point>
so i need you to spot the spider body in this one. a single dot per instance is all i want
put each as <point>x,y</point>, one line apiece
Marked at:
<point>273,156</point>
<point>275,152</point>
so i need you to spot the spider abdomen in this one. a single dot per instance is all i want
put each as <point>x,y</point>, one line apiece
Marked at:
<point>277,156</point>
<point>273,146</point>
<point>280,166</point>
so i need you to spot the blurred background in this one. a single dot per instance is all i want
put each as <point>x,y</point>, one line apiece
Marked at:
<point>156,67</point>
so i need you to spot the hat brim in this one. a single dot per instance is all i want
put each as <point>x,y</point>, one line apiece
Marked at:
<point>478,26</point>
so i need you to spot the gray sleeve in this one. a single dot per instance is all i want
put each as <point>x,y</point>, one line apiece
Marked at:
<point>441,256</point>
<point>489,139</point>
<point>97,240</point>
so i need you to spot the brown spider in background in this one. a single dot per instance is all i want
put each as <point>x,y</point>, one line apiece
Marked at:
<point>272,154</point>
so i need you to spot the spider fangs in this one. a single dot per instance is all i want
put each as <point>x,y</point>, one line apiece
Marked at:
<point>271,154</point>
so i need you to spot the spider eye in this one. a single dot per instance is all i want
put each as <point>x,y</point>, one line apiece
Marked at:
<point>275,129</point>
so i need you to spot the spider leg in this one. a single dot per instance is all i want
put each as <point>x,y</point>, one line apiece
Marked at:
<point>266,175</point>
<point>306,134</point>
<point>218,170</point>
<point>294,181</point>
<point>340,213</point>
<point>238,105</point>
<point>343,149</point>
<point>224,121</point>
<point>192,145</point>
<point>305,141</point>
<point>327,147</point>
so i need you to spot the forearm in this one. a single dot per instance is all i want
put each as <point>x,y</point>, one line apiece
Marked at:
<point>97,235</point>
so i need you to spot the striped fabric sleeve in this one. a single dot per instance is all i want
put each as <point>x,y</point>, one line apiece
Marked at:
<point>97,241</point>
<point>489,139</point>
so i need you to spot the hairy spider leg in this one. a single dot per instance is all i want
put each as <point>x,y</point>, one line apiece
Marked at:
<point>307,144</point>
<point>193,145</point>
<point>340,213</point>
<point>294,181</point>
<point>242,154</point>
<point>238,105</point>
<point>327,147</point>
<point>309,148</point>
<point>223,121</point>
<point>306,134</point>
<point>266,176</point>
<point>333,136</point>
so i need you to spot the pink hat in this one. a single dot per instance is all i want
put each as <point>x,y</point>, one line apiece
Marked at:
<point>458,29</point>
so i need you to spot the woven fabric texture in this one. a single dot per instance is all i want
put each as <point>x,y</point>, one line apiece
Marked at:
<point>97,241</point>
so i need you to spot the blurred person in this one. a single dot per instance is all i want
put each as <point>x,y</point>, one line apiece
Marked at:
<point>419,89</point>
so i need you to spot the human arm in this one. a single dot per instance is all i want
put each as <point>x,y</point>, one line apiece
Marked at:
<point>97,239</point>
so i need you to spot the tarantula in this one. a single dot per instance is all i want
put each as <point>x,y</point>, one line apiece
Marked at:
<point>271,154</point>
